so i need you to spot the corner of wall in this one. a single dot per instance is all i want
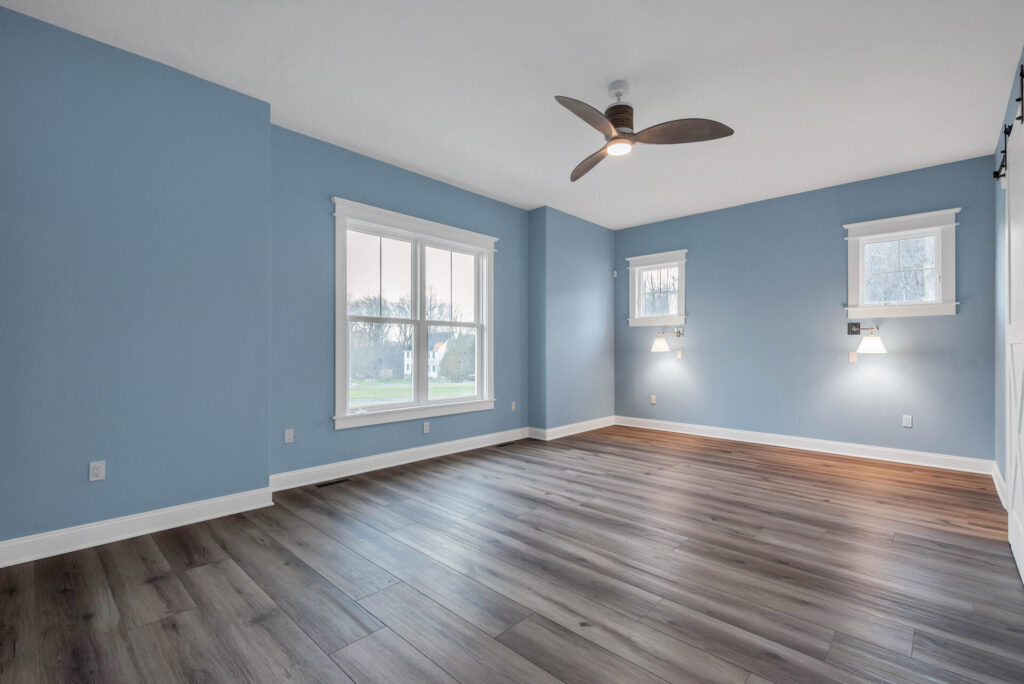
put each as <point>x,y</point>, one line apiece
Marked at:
<point>537,316</point>
<point>572,348</point>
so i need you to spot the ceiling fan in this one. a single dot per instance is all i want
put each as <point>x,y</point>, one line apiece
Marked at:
<point>616,125</point>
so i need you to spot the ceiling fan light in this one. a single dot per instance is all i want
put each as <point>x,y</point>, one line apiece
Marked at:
<point>619,147</point>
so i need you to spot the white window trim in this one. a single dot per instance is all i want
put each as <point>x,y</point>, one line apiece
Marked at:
<point>941,224</point>
<point>389,223</point>
<point>676,258</point>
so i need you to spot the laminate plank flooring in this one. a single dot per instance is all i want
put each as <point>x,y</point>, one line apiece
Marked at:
<point>80,633</point>
<point>458,647</point>
<point>189,547</point>
<point>329,616</point>
<point>141,580</point>
<point>184,648</point>
<point>19,640</point>
<point>267,643</point>
<point>569,657</point>
<point>488,610</point>
<point>618,555</point>
<point>385,657</point>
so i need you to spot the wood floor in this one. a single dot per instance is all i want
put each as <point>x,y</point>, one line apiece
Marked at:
<point>619,555</point>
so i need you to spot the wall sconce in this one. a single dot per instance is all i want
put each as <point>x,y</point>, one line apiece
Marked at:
<point>871,344</point>
<point>661,344</point>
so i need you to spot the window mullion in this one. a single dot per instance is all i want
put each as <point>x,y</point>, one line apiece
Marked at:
<point>422,366</point>
<point>481,348</point>
<point>381,319</point>
<point>452,324</point>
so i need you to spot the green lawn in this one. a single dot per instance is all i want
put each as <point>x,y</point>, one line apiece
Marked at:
<point>368,392</point>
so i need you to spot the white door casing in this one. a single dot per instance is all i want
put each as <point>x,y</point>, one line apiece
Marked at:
<point>1015,342</point>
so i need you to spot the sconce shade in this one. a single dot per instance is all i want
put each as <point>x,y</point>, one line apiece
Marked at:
<point>871,344</point>
<point>660,344</point>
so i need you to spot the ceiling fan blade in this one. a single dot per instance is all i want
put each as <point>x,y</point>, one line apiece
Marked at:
<point>588,114</point>
<point>683,131</point>
<point>587,164</point>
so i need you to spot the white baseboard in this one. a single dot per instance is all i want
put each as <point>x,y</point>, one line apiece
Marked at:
<point>1016,534</point>
<point>920,458</point>
<point>24,549</point>
<point>1014,523</point>
<point>1000,483</point>
<point>339,469</point>
<point>547,434</point>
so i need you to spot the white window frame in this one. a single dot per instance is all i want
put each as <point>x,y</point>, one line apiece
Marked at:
<point>422,234</point>
<point>638,265</point>
<point>939,224</point>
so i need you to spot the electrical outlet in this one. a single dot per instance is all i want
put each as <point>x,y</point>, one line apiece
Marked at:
<point>654,400</point>
<point>289,435</point>
<point>513,405</point>
<point>426,426</point>
<point>97,470</point>
<point>908,421</point>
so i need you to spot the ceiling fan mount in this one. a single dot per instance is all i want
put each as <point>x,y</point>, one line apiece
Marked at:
<point>616,125</point>
<point>618,90</point>
<point>620,113</point>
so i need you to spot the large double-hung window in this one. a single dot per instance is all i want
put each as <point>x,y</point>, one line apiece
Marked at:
<point>414,317</point>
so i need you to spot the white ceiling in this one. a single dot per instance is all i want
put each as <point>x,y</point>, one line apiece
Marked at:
<point>819,92</point>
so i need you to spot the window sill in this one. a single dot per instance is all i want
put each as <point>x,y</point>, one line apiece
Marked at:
<point>411,413</point>
<point>902,310</point>
<point>659,321</point>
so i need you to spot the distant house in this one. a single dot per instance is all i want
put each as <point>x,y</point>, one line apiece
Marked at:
<point>434,357</point>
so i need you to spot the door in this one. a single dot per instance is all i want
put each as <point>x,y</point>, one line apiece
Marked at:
<point>1015,341</point>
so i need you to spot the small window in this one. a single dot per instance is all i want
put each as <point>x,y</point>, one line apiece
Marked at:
<point>414,318</point>
<point>657,289</point>
<point>903,266</point>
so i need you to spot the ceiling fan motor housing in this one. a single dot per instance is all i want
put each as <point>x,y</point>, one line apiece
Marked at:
<point>621,116</point>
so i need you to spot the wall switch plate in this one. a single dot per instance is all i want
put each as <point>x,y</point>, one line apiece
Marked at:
<point>679,354</point>
<point>513,405</point>
<point>853,357</point>
<point>908,421</point>
<point>426,426</point>
<point>97,470</point>
<point>654,400</point>
<point>289,435</point>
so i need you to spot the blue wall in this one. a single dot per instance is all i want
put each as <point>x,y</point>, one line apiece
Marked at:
<point>537,313</point>
<point>572,360</point>
<point>134,288</point>
<point>1000,278</point>
<point>306,174</point>
<point>766,344</point>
